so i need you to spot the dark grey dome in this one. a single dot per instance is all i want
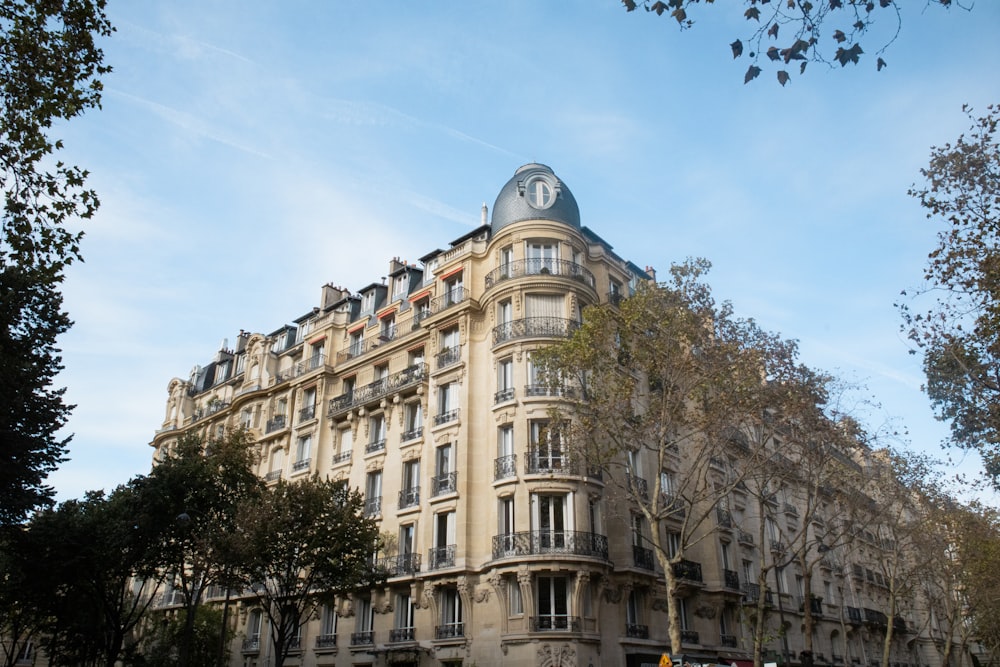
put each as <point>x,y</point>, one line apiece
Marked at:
<point>535,193</point>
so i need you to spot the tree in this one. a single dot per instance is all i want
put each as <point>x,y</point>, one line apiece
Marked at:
<point>300,545</point>
<point>959,332</point>
<point>195,494</point>
<point>96,575</point>
<point>827,31</point>
<point>975,546</point>
<point>661,380</point>
<point>50,70</point>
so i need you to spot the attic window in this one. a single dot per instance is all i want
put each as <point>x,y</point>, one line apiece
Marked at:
<point>540,192</point>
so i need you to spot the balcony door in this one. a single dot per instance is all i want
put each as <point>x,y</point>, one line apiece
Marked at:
<point>542,256</point>
<point>553,603</point>
<point>550,519</point>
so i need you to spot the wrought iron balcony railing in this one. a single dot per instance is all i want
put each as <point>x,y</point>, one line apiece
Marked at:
<point>449,630</point>
<point>731,579</point>
<point>448,356</point>
<point>555,623</point>
<point>729,641</point>
<point>535,542</point>
<point>538,266</point>
<point>301,464</point>
<point>688,570</point>
<point>643,557</point>
<point>503,395</point>
<point>398,381</point>
<point>375,446</point>
<point>534,327</point>
<point>401,635</point>
<point>689,636</point>
<point>307,413</point>
<point>724,517</point>
<point>547,460</point>
<point>505,467</point>
<point>251,645</point>
<point>362,638</point>
<point>637,631</point>
<point>400,564</point>
<point>275,423</point>
<point>409,497</point>
<point>452,297</point>
<point>445,417</point>
<point>373,506</point>
<point>326,641</point>
<point>439,557</point>
<point>852,615</point>
<point>444,483</point>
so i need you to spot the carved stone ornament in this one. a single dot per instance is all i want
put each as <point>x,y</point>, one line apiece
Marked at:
<point>558,656</point>
<point>482,595</point>
<point>613,593</point>
<point>705,611</point>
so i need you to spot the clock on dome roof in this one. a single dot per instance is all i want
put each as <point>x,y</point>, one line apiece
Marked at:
<point>534,193</point>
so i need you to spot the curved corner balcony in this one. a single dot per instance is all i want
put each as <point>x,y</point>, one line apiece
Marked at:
<point>548,542</point>
<point>534,327</point>
<point>539,267</point>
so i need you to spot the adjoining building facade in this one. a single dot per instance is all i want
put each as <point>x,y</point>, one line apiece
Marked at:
<point>420,391</point>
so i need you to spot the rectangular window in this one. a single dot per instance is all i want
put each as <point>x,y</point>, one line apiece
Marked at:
<point>246,418</point>
<point>365,614</point>
<point>368,302</point>
<point>413,420</point>
<point>387,327</point>
<point>553,603</point>
<point>506,256</point>
<point>451,611</point>
<point>673,544</point>
<point>303,452</point>
<point>399,285</point>
<point>447,403</point>
<point>546,446</point>
<point>409,495</point>
<point>632,608</point>
<point>345,438</point>
<point>404,615</point>
<point>505,380</point>
<point>515,603</point>
<point>454,291</point>
<point>443,459</point>
<point>550,518</point>
<point>356,343</point>
<point>328,625</point>
<point>505,519</point>
<point>541,257</point>
<point>376,433</point>
<point>373,493</point>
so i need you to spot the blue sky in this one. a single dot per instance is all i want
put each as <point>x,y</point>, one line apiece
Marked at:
<point>249,152</point>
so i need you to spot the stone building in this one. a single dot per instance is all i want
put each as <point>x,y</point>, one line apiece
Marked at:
<point>419,390</point>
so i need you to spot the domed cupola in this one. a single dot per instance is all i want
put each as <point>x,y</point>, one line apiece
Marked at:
<point>535,193</point>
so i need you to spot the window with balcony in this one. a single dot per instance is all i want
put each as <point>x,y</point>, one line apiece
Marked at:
<point>276,465</point>
<point>303,453</point>
<point>445,477</point>
<point>447,403</point>
<point>550,518</point>
<point>506,463</point>
<point>413,420</point>
<point>633,616</point>
<point>252,641</point>
<point>409,495</point>
<point>454,290</point>
<point>356,343</point>
<point>421,309</point>
<point>327,637</point>
<point>542,256</point>
<point>376,433</point>
<point>673,544</point>
<point>364,622</point>
<point>506,256</point>
<point>246,418</point>
<point>546,453</point>
<point>373,493</point>
<point>505,530</point>
<point>308,409</point>
<point>450,348</point>
<point>402,630</point>
<point>409,561</point>
<point>345,442</point>
<point>505,380</point>
<point>442,554</point>
<point>450,604</point>
<point>387,327</point>
<point>553,605</point>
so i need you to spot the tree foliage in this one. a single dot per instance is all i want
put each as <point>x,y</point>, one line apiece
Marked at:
<point>670,381</point>
<point>959,331</point>
<point>299,545</point>
<point>789,34</point>
<point>50,69</point>
<point>195,494</point>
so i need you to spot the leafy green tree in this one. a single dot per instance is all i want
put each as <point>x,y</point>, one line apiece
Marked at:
<point>195,494</point>
<point>50,69</point>
<point>166,633</point>
<point>301,544</point>
<point>975,532</point>
<point>959,331</point>
<point>797,32</point>
<point>22,617</point>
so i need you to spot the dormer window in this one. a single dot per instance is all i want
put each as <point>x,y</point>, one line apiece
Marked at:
<point>399,285</point>
<point>539,192</point>
<point>368,302</point>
